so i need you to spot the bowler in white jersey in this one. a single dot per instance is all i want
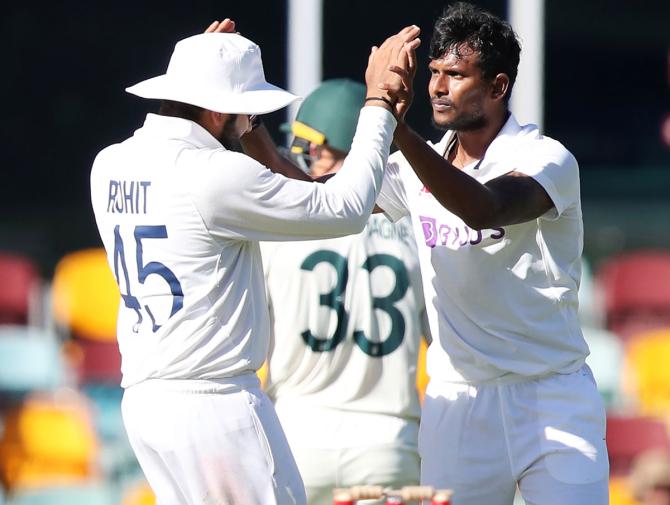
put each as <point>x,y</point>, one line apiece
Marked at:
<point>496,210</point>
<point>347,317</point>
<point>180,216</point>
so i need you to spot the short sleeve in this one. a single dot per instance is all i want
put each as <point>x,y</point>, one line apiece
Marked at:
<point>555,169</point>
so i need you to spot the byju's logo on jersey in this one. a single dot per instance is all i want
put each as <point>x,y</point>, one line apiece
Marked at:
<point>455,237</point>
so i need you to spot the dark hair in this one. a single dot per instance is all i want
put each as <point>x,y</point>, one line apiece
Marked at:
<point>493,38</point>
<point>181,110</point>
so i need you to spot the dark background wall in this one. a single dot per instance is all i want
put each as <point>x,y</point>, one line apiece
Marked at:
<point>65,66</point>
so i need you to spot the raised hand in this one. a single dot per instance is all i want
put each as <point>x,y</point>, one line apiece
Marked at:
<point>225,26</point>
<point>388,75</point>
<point>406,70</point>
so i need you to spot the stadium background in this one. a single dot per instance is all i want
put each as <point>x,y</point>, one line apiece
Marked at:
<point>65,65</point>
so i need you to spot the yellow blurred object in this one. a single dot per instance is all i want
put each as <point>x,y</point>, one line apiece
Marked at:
<point>139,494</point>
<point>48,440</point>
<point>85,295</point>
<point>620,493</point>
<point>648,373</point>
<point>421,374</point>
<point>262,373</point>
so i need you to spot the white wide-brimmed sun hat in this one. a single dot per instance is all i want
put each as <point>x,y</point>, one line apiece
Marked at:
<point>222,72</point>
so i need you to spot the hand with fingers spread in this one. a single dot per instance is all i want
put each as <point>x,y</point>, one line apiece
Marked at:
<point>383,82</point>
<point>225,26</point>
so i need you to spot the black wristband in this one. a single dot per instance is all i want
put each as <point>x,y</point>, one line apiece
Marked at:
<point>381,99</point>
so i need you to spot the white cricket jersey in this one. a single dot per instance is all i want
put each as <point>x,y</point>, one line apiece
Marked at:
<point>181,217</point>
<point>347,317</point>
<point>501,302</point>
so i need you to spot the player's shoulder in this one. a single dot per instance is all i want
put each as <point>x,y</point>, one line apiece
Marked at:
<point>119,153</point>
<point>214,167</point>
<point>106,159</point>
<point>531,134</point>
<point>108,152</point>
<point>530,145</point>
<point>214,157</point>
<point>218,180</point>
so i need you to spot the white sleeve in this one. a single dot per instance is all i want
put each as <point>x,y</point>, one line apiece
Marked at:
<point>555,169</point>
<point>392,198</point>
<point>240,198</point>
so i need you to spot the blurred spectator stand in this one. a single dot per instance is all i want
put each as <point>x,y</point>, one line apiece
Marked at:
<point>629,436</point>
<point>19,289</point>
<point>647,372</point>
<point>636,291</point>
<point>48,440</point>
<point>85,300</point>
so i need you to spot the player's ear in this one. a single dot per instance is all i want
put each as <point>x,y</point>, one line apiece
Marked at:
<point>212,121</point>
<point>499,86</point>
<point>218,119</point>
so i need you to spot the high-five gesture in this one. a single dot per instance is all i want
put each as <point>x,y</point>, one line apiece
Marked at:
<point>405,70</point>
<point>388,75</point>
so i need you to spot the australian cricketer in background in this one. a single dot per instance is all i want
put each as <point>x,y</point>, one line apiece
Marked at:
<point>180,216</point>
<point>497,208</point>
<point>347,318</point>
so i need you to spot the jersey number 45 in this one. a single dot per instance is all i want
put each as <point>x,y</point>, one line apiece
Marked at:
<point>144,271</point>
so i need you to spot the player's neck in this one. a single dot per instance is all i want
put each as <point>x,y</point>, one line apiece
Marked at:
<point>472,145</point>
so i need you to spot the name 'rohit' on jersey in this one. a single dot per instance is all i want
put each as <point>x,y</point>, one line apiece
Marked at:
<point>129,197</point>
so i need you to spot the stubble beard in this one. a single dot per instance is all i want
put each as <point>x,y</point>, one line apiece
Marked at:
<point>229,138</point>
<point>463,123</point>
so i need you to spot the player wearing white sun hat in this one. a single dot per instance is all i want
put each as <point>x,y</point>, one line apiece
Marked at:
<point>180,216</point>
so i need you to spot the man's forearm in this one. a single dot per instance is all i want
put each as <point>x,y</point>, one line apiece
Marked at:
<point>455,190</point>
<point>259,145</point>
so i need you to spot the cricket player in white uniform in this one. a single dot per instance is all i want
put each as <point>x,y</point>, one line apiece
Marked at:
<point>180,217</point>
<point>497,214</point>
<point>347,319</point>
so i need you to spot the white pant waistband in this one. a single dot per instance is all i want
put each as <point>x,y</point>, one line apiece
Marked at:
<point>202,386</point>
<point>512,378</point>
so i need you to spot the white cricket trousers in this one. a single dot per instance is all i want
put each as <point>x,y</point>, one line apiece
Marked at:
<point>335,448</point>
<point>546,434</point>
<point>211,443</point>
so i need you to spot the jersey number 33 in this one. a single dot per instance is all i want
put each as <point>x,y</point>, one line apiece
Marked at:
<point>334,299</point>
